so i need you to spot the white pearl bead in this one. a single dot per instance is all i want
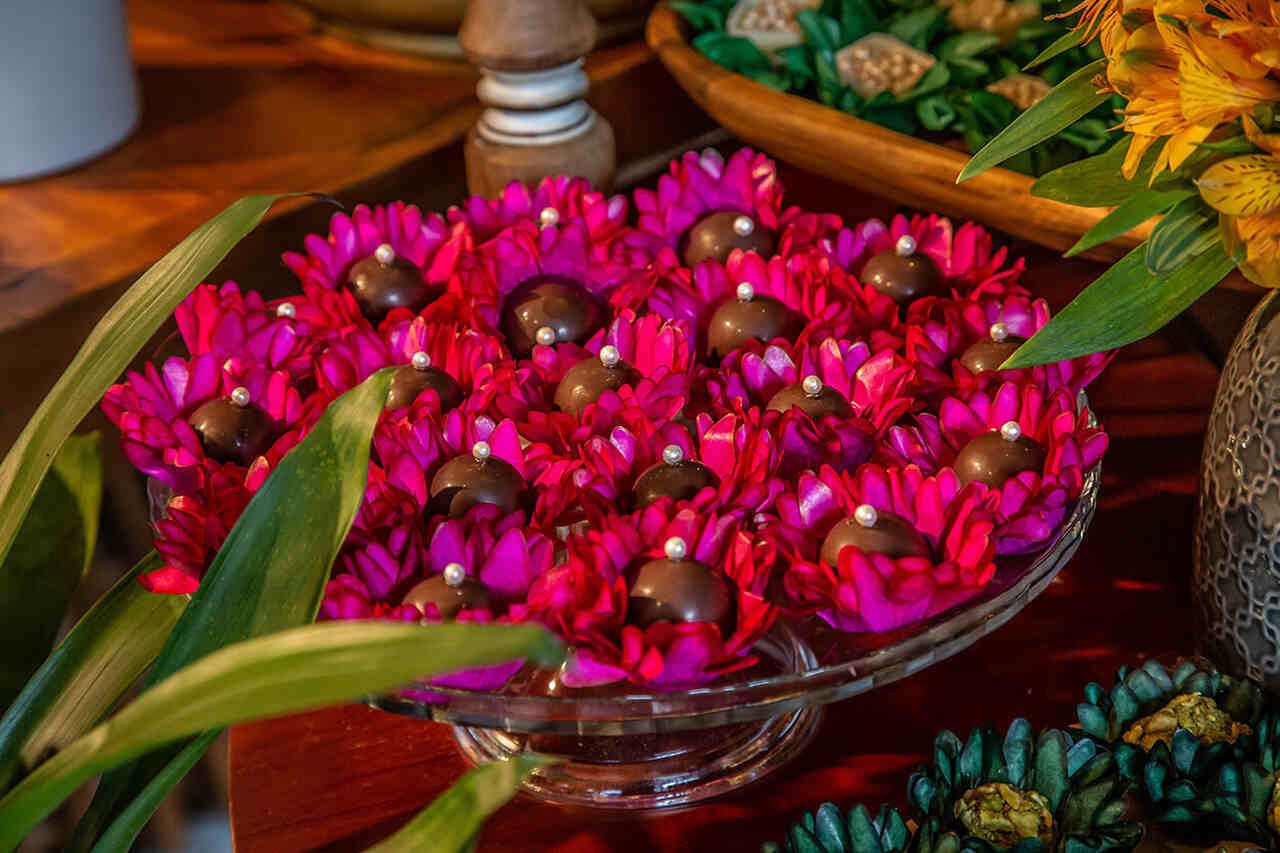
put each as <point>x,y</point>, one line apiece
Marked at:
<point>286,309</point>
<point>999,331</point>
<point>672,454</point>
<point>454,574</point>
<point>545,336</point>
<point>675,548</point>
<point>812,386</point>
<point>906,245</point>
<point>421,361</point>
<point>609,355</point>
<point>866,515</point>
<point>481,450</point>
<point>1011,431</point>
<point>385,254</point>
<point>549,216</point>
<point>743,226</point>
<point>240,396</point>
<point>746,292</point>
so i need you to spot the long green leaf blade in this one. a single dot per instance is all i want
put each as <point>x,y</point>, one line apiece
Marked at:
<point>1069,101</point>
<point>1096,181</point>
<point>270,573</point>
<point>1124,304</point>
<point>108,350</point>
<point>453,820</point>
<point>106,652</point>
<point>289,671</point>
<point>1137,210</point>
<point>1181,234</point>
<point>48,558</point>
<point>1061,45</point>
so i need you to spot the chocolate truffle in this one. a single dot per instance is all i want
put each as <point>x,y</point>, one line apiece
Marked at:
<point>992,351</point>
<point>903,274</point>
<point>481,477</point>
<point>676,589</point>
<point>715,235</point>
<point>674,477</point>
<point>417,376</point>
<point>384,281</point>
<point>583,383</point>
<point>814,399</point>
<point>874,532</point>
<point>451,591</point>
<point>233,429</point>
<point>547,310</point>
<point>750,317</point>
<point>994,457</point>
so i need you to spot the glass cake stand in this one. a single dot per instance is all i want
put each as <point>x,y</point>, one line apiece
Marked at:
<point>626,749</point>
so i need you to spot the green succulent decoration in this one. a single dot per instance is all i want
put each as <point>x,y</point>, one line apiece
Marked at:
<point>1022,792</point>
<point>1196,746</point>
<point>828,830</point>
<point>959,97</point>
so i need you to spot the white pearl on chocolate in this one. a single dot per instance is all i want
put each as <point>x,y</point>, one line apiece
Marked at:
<point>454,574</point>
<point>1011,431</point>
<point>675,548</point>
<point>548,216</point>
<point>286,309</point>
<point>672,454</point>
<point>545,336</point>
<point>812,386</point>
<point>481,451</point>
<point>866,515</point>
<point>384,254</point>
<point>743,226</point>
<point>999,331</point>
<point>906,245</point>
<point>421,361</point>
<point>609,355</point>
<point>746,292</point>
<point>240,396</point>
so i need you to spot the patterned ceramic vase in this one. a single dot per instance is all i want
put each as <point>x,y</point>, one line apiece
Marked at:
<point>1237,554</point>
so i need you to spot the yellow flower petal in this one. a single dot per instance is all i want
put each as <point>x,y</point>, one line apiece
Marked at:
<point>1210,97</point>
<point>1269,142</point>
<point>1242,186</point>
<point>1138,146</point>
<point>1182,144</point>
<point>1225,55</point>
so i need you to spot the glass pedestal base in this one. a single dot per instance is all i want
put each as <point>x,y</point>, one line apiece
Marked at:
<point>649,771</point>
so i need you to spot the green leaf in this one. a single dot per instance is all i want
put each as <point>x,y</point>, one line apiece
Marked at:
<point>108,350</point>
<point>1233,145</point>
<point>289,671</point>
<point>915,28</point>
<point>48,558</point>
<point>1070,100</point>
<point>270,573</point>
<point>1181,234</point>
<point>699,15</point>
<point>931,81</point>
<point>452,822</point>
<point>1135,211</point>
<point>821,32</point>
<point>856,20</point>
<point>1124,304</point>
<point>1096,181</point>
<point>733,52</point>
<point>1069,39</point>
<point>935,112</point>
<point>106,652</point>
<point>966,44</point>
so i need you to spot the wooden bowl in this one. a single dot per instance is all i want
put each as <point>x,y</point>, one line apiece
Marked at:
<point>865,155</point>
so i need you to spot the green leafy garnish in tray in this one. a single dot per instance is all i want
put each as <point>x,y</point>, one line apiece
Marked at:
<point>951,54</point>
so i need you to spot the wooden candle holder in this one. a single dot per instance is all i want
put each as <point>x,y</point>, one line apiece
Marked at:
<point>536,123</point>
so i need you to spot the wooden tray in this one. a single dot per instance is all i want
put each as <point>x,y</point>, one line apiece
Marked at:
<point>865,155</point>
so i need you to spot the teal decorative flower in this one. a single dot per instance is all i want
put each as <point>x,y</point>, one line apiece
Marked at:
<point>1019,792</point>
<point>828,830</point>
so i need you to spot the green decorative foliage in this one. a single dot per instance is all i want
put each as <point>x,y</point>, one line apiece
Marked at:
<point>1096,181</point>
<point>1076,781</point>
<point>103,655</point>
<point>452,822</point>
<point>47,561</point>
<point>828,830</point>
<point>288,671</point>
<point>270,573</point>
<point>951,98</point>
<point>1124,304</point>
<point>1061,45</point>
<point>1134,211</point>
<point>1068,102</point>
<point>108,350</point>
<point>1185,232</point>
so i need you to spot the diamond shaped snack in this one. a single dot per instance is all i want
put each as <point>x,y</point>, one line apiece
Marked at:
<point>879,62</point>
<point>768,24</point>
